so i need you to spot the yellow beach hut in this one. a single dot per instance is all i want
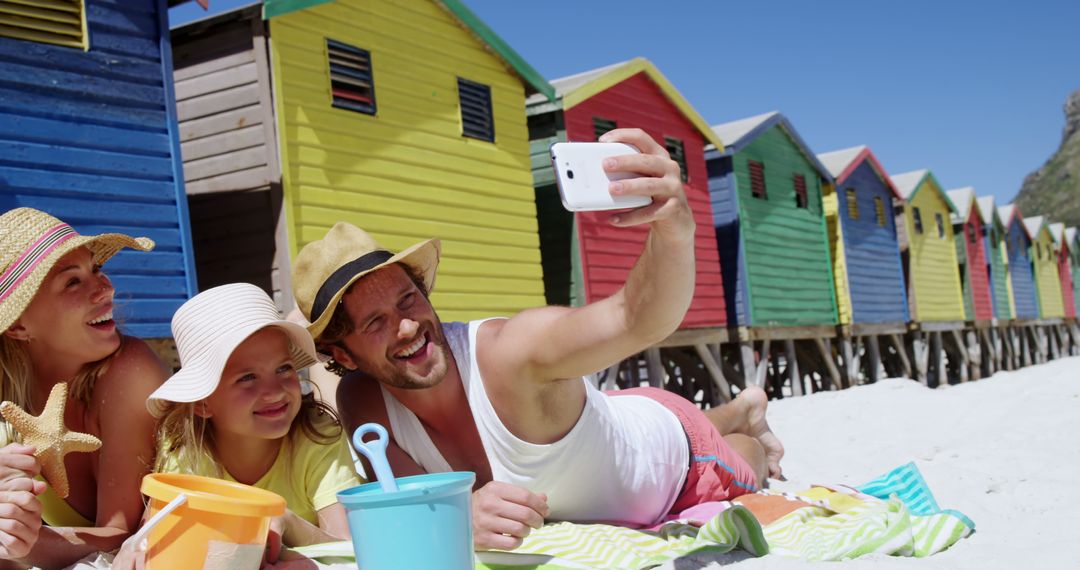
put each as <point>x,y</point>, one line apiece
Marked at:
<point>1044,266</point>
<point>405,118</point>
<point>928,250</point>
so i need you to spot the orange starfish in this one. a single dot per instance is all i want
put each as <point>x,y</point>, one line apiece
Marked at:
<point>49,436</point>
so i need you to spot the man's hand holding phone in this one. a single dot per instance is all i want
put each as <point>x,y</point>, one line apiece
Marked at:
<point>658,178</point>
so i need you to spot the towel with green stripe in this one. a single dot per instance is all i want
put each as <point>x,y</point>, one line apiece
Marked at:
<point>895,514</point>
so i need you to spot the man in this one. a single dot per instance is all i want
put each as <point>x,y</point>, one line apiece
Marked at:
<point>505,398</point>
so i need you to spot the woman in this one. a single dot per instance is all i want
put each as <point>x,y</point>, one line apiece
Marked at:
<point>56,313</point>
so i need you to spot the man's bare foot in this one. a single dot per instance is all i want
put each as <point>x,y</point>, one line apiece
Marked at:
<point>756,402</point>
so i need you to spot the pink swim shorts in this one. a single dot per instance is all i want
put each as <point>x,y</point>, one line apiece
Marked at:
<point>717,472</point>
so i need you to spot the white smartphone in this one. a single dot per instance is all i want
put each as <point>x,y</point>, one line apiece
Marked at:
<point>583,183</point>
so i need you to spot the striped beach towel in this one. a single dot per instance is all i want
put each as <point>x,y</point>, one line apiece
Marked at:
<point>895,514</point>
<point>907,483</point>
<point>569,546</point>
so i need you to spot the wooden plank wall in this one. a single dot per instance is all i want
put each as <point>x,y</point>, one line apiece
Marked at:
<point>407,173</point>
<point>998,269</point>
<point>217,100</point>
<point>966,270</point>
<point>830,202</point>
<point>86,137</point>
<point>1025,305</point>
<point>786,247</point>
<point>1066,275</point>
<point>978,281</point>
<point>229,148</point>
<point>608,253</point>
<point>935,280</point>
<point>1051,304</point>
<point>872,252</point>
<point>1074,250</point>
<point>723,197</point>
<point>556,224</point>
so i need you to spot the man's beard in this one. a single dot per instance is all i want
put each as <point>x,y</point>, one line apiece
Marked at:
<point>405,381</point>
<point>395,377</point>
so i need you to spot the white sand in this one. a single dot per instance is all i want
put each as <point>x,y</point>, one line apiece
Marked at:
<point>1004,451</point>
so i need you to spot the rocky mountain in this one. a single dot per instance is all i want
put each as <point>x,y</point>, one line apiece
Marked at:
<point>1054,189</point>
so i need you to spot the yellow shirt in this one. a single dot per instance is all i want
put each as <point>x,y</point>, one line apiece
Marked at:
<point>307,475</point>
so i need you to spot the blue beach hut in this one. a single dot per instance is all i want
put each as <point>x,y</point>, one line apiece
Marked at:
<point>1018,246</point>
<point>88,133</point>
<point>866,253</point>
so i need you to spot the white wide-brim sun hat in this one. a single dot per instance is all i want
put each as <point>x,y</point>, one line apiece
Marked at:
<point>209,327</point>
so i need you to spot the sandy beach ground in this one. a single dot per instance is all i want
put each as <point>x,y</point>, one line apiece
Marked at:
<point>1004,450</point>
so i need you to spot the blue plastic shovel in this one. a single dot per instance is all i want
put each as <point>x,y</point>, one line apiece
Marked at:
<point>375,452</point>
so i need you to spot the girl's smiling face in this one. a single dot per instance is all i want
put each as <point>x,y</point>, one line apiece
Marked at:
<point>259,393</point>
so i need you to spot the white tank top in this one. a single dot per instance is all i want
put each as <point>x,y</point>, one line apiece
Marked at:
<point>624,462</point>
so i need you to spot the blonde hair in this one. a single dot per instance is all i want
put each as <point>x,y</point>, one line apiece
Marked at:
<point>185,440</point>
<point>16,377</point>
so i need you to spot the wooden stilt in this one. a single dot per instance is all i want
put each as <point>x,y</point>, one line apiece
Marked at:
<point>921,350</point>
<point>849,351</point>
<point>749,365</point>
<point>957,352</point>
<point>714,371</point>
<point>1009,341</point>
<point>1038,344</point>
<point>1054,333</point>
<point>776,379</point>
<point>974,354</point>
<point>989,352</point>
<point>901,354</point>
<point>763,366</point>
<point>1003,347</point>
<point>657,375</point>
<point>730,372</point>
<point>1004,338</point>
<point>793,368</point>
<point>634,372</point>
<point>1025,347</point>
<point>611,380</point>
<point>830,365</point>
<point>994,350</point>
<point>935,372</point>
<point>873,356</point>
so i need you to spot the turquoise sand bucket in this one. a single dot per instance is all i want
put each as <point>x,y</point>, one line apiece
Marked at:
<point>426,523</point>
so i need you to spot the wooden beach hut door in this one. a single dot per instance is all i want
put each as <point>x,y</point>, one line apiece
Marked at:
<point>229,147</point>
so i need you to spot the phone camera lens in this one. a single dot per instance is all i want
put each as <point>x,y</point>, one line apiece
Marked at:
<point>570,174</point>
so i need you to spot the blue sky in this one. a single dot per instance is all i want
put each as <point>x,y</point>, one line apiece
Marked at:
<point>971,89</point>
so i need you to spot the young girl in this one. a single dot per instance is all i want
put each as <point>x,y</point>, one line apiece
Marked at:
<point>236,411</point>
<point>56,315</point>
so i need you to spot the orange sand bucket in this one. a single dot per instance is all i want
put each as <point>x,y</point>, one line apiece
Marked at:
<point>221,524</point>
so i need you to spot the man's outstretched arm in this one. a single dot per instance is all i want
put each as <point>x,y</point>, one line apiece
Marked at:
<point>559,342</point>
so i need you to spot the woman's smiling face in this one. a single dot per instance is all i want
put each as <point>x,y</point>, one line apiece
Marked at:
<point>71,316</point>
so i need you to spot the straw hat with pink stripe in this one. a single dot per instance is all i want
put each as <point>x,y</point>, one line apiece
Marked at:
<point>31,242</point>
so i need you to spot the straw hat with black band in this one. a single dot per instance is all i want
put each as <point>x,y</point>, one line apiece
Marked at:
<point>325,268</point>
<point>31,242</point>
